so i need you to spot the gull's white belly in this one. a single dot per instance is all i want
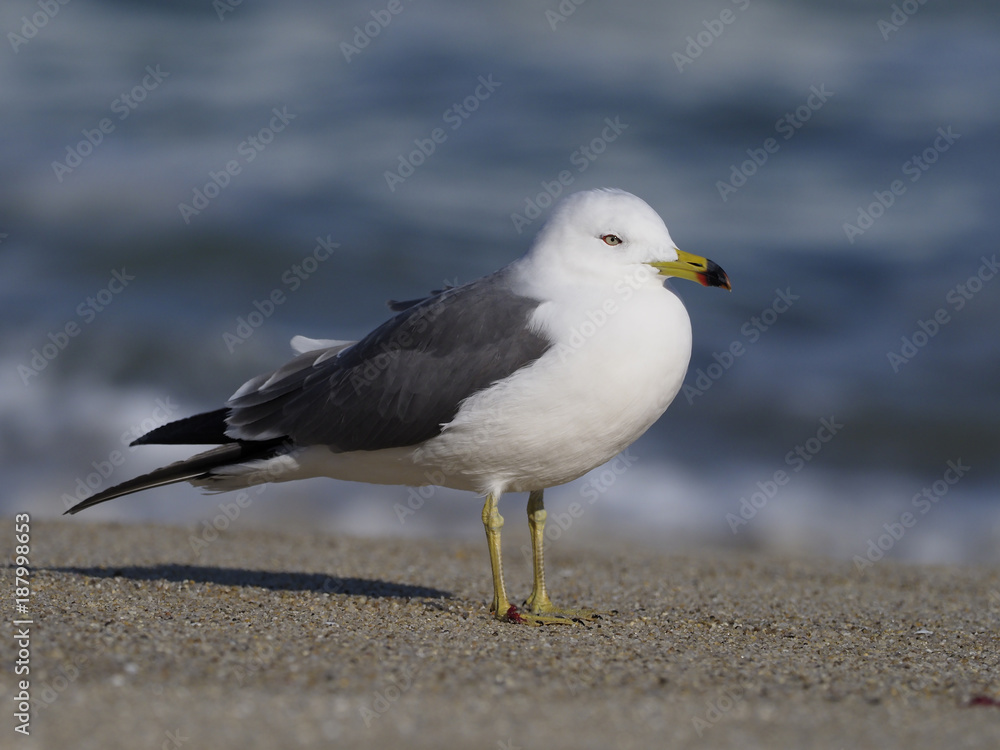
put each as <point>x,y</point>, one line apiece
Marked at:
<point>581,404</point>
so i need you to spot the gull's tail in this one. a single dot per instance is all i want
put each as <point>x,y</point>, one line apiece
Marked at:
<point>201,429</point>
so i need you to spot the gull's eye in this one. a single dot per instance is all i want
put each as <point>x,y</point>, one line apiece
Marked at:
<point>611,239</point>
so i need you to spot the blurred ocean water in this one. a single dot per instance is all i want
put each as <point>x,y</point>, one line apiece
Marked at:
<point>187,185</point>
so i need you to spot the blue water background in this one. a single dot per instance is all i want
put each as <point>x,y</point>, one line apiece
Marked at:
<point>689,94</point>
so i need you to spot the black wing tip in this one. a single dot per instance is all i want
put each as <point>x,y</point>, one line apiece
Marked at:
<point>156,478</point>
<point>82,505</point>
<point>199,466</point>
<point>207,428</point>
<point>109,494</point>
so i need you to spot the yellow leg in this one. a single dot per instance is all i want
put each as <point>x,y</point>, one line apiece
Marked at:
<point>493,522</point>
<point>539,600</point>
<point>542,610</point>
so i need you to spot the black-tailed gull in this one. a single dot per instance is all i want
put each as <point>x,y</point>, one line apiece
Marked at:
<point>521,380</point>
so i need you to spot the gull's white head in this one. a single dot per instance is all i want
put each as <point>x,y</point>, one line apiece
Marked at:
<point>605,231</point>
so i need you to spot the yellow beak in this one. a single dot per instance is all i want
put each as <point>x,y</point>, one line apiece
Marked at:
<point>694,268</point>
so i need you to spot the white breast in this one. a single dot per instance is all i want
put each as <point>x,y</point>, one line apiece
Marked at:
<point>620,358</point>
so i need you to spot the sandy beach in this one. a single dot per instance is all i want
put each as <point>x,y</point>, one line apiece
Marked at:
<point>265,639</point>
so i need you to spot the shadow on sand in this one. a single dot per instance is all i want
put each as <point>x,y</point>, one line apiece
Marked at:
<point>266,579</point>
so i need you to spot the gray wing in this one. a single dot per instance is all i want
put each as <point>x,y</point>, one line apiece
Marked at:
<point>403,381</point>
<point>397,306</point>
